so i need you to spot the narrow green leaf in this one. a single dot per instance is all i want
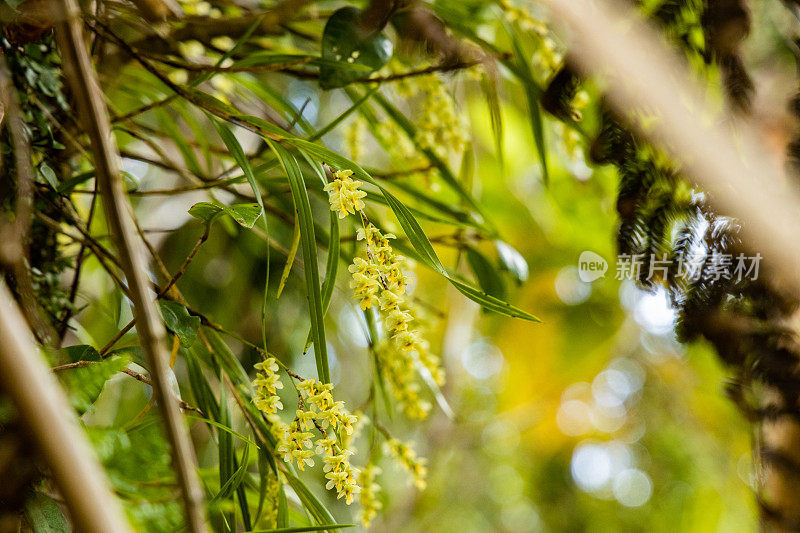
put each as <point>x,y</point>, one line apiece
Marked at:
<point>490,302</point>
<point>342,116</point>
<point>225,429</point>
<point>309,243</point>
<point>488,278</point>
<point>334,244</point>
<point>235,480</point>
<point>201,389</point>
<point>282,519</point>
<point>225,454</point>
<point>226,359</point>
<point>310,502</point>
<point>74,181</point>
<point>287,268</point>
<point>489,88</point>
<point>170,126</point>
<point>532,94</point>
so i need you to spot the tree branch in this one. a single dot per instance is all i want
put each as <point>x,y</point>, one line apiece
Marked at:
<point>94,116</point>
<point>45,410</point>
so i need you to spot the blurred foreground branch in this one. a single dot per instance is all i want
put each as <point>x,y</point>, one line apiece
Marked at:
<point>724,155</point>
<point>94,117</point>
<point>45,410</point>
<point>642,74</point>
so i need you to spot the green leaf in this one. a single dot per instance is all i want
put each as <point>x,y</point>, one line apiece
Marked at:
<point>282,519</point>
<point>170,126</point>
<point>226,456</point>
<point>74,181</point>
<point>287,268</point>
<point>345,44</point>
<point>244,214</point>
<point>512,260</point>
<point>80,352</point>
<point>310,502</point>
<point>235,480</point>
<point>44,514</point>
<point>85,383</point>
<point>490,302</point>
<point>275,99</point>
<point>532,93</point>
<point>226,359</point>
<point>265,57</point>
<point>342,116</point>
<point>225,429</point>
<point>49,175</point>
<point>489,88</point>
<point>488,277</point>
<point>201,390</point>
<point>179,321</point>
<point>309,243</point>
<point>236,150</point>
<point>334,245</point>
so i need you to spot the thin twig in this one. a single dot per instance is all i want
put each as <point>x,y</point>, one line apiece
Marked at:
<point>132,373</point>
<point>162,292</point>
<point>76,278</point>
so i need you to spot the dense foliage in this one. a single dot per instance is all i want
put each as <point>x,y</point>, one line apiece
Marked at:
<point>329,193</point>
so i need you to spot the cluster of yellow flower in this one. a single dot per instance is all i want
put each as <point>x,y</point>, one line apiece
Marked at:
<point>266,384</point>
<point>270,516</point>
<point>199,8</point>
<point>378,281</point>
<point>344,194</point>
<point>398,369</point>
<point>440,127</point>
<point>523,17</point>
<point>408,458</point>
<point>547,55</point>
<point>319,410</point>
<point>354,138</point>
<point>370,504</point>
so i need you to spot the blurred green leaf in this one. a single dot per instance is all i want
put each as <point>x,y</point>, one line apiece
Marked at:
<point>84,383</point>
<point>488,278</point>
<point>80,352</point>
<point>346,44</point>
<point>44,514</point>
<point>49,175</point>
<point>512,260</point>
<point>179,321</point>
